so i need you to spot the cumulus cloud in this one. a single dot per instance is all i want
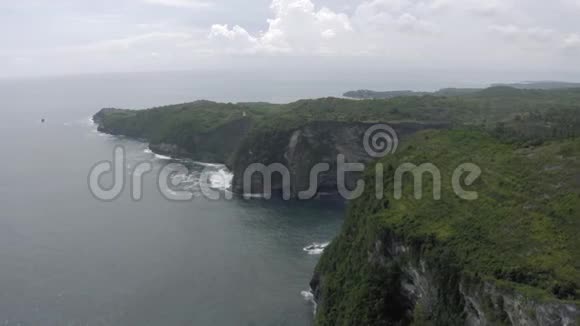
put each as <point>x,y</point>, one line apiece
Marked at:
<point>234,40</point>
<point>297,27</point>
<point>397,30</point>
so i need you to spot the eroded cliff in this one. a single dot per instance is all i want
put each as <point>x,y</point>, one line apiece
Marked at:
<point>509,257</point>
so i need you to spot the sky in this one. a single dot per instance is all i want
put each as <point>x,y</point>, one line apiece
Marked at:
<point>61,37</point>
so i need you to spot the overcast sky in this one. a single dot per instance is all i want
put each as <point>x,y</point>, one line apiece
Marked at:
<point>54,37</point>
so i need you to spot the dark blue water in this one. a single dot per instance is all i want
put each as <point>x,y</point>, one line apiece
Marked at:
<point>67,258</point>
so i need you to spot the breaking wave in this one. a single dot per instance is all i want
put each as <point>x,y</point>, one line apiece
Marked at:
<point>221,179</point>
<point>316,248</point>
<point>162,157</point>
<point>309,296</point>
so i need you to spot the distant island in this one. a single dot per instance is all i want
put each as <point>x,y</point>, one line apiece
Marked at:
<point>545,85</point>
<point>532,85</point>
<point>511,257</point>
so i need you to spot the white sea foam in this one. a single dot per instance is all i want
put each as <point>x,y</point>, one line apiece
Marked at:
<point>84,121</point>
<point>148,151</point>
<point>211,165</point>
<point>315,252</point>
<point>316,248</point>
<point>162,157</point>
<point>185,179</point>
<point>221,179</point>
<point>88,121</point>
<point>309,296</point>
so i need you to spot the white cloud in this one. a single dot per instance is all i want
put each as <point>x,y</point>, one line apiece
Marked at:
<point>393,33</point>
<point>400,31</point>
<point>524,34</point>
<point>395,30</point>
<point>297,27</point>
<point>236,32</point>
<point>572,42</point>
<point>232,40</point>
<point>191,4</point>
<point>401,15</point>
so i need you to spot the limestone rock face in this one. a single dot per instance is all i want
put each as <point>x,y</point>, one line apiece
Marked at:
<point>423,291</point>
<point>301,149</point>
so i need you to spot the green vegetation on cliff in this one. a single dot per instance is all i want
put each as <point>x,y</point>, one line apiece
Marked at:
<point>521,232</point>
<point>204,130</point>
<point>516,114</point>
<point>175,123</point>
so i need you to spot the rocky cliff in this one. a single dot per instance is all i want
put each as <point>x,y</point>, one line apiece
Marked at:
<point>218,133</point>
<point>509,257</point>
<point>300,149</point>
<point>414,286</point>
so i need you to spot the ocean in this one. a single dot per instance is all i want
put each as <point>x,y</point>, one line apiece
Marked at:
<point>67,258</point>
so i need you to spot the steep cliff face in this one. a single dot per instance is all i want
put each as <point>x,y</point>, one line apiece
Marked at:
<point>300,149</point>
<point>421,289</point>
<point>509,257</point>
